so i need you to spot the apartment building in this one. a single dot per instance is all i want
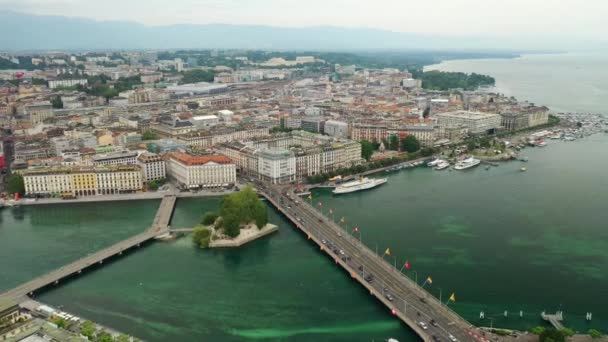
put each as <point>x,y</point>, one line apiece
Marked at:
<point>116,158</point>
<point>200,171</point>
<point>475,122</point>
<point>83,181</point>
<point>152,167</point>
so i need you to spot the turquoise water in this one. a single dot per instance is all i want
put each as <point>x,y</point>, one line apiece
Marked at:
<point>572,82</point>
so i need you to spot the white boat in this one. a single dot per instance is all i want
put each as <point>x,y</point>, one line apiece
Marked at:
<point>433,162</point>
<point>442,165</point>
<point>358,185</point>
<point>467,163</point>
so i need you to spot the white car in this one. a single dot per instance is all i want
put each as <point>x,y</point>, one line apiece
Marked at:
<point>422,325</point>
<point>452,338</point>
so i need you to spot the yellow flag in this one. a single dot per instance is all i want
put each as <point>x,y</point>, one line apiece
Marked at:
<point>388,251</point>
<point>453,298</point>
<point>310,197</point>
<point>429,280</point>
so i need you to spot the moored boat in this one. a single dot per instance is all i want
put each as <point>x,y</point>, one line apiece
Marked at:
<point>358,185</point>
<point>467,163</point>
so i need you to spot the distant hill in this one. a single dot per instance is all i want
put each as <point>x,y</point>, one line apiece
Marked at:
<point>26,32</point>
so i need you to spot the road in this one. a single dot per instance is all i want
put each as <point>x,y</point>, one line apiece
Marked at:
<point>409,300</point>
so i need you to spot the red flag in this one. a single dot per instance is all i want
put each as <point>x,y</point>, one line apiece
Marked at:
<point>356,230</point>
<point>407,265</point>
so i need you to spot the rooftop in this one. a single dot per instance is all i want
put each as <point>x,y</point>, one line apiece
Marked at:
<point>190,160</point>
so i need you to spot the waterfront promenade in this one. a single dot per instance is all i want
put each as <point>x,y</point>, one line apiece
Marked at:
<point>402,297</point>
<point>159,226</point>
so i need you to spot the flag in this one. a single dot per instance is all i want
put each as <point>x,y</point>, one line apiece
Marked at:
<point>388,252</point>
<point>331,211</point>
<point>310,197</point>
<point>407,265</point>
<point>429,280</point>
<point>342,220</point>
<point>356,230</point>
<point>320,204</point>
<point>453,298</point>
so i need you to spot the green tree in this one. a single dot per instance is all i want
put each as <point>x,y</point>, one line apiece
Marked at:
<point>595,333</point>
<point>60,322</point>
<point>104,337</point>
<point>367,149</point>
<point>123,338</point>
<point>201,236</point>
<point>242,207</point>
<point>209,218</point>
<point>149,135</point>
<point>87,328</point>
<point>56,102</point>
<point>15,184</point>
<point>537,330</point>
<point>198,75</point>
<point>393,142</point>
<point>552,335</point>
<point>567,332</point>
<point>410,144</point>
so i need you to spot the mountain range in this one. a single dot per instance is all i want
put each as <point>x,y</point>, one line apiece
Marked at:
<point>41,32</point>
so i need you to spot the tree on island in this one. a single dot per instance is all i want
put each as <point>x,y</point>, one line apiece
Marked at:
<point>367,149</point>
<point>209,218</point>
<point>242,207</point>
<point>410,144</point>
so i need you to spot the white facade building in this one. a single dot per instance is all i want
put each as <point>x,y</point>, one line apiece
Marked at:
<point>276,165</point>
<point>152,167</point>
<point>200,171</point>
<point>336,128</point>
<point>475,122</point>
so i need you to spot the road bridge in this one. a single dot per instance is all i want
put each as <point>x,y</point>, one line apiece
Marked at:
<point>403,297</point>
<point>159,226</point>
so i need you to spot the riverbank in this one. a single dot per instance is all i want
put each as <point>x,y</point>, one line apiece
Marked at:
<point>121,197</point>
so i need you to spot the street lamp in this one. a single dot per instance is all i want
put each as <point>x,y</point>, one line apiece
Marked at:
<point>440,295</point>
<point>416,274</point>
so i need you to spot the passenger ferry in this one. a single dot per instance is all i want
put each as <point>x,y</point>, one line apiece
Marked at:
<point>358,185</point>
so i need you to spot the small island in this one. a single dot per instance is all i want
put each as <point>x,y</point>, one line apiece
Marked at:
<point>242,218</point>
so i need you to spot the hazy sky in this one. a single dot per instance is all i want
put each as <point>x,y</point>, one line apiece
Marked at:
<point>579,19</point>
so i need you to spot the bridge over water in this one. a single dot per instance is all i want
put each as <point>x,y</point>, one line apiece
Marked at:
<point>159,226</point>
<point>403,297</point>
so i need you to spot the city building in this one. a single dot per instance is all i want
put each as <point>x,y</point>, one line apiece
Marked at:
<point>152,167</point>
<point>116,158</point>
<point>276,165</point>
<point>370,132</point>
<point>337,129</point>
<point>204,121</point>
<point>194,172</point>
<point>83,181</point>
<point>38,111</point>
<point>512,121</point>
<point>476,123</point>
<point>313,124</point>
<point>424,133</point>
<point>67,82</point>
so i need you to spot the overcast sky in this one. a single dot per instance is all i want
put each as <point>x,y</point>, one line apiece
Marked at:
<point>554,19</point>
